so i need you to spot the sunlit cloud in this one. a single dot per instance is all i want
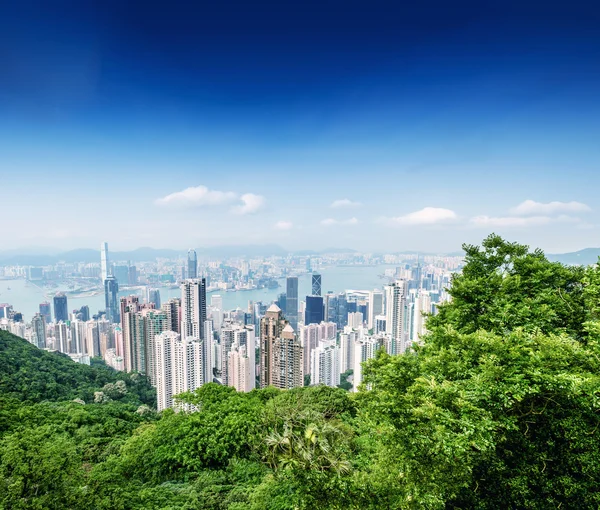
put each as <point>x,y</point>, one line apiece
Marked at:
<point>344,202</point>
<point>425,216</point>
<point>532,208</point>
<point>329,222</point>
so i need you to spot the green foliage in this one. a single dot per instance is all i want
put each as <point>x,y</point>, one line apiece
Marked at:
<point>29,373</point>
<point>498,408</point>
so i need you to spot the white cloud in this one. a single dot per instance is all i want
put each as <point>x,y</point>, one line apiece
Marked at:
<point>197,196</point>
<point>201,196</point>
<point>344,202</point>
<point>533,208</point>
<point>426,216</point>
<point>284,225</point>
<point>251,203</point>
<point>520,222</point>
<point>328,222</point>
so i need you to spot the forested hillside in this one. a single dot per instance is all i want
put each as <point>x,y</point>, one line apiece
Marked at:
<point>499,408</point>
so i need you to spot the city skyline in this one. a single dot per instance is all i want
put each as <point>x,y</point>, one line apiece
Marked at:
<point>397,127</point>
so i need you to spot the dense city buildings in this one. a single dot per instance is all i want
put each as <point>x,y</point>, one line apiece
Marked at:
<point>277,341</point>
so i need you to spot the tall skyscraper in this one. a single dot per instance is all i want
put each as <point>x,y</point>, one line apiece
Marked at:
<point>192,268</point>
<point>104,269</point>
<point>132,327</point>
<point>193,308</point>
<point>325,364</point>
<point>271,326</point>
<point>375,307</point>
<point>84,311</point>
<point>310,335</point>
<point>287,366</point>
<point>396,308</point>
<point>45,311</point>
<point>316,284</point>
<point>38,325</point>
<point>242,339</point>
<point>155,323</point>
<point>173,311</point>
<point>61,337</point>
<point>154,297</point>
<point>111,299</point>
<point>291,304</point>
<point>61,310</point>
<point>315,311</point>
<point>422,306</point>
<point>178,367</point>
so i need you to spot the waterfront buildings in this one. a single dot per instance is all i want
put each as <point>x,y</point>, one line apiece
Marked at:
<point>111,293</point>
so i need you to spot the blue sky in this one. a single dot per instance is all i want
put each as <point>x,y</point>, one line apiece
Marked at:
<point>428,125</point>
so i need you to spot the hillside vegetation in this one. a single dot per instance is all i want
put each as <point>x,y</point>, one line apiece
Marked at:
<point>499,408</point>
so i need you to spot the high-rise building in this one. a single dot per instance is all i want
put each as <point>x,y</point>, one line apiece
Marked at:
<point>132,327</point>
<point>363,350</point>
<point>38,326</point>
<point>154,297</point>
<point>347,340</point>
<point>92,339</point>
<point>216,301</point>
<point>84,311</point>
<point>178,368</point>
<point>287,366</point>
<point>316,284</point>
<point>241,376</point>
<point>104,269</point>
<point>111,299</point>
<point>61,310</point>
<point>281,302</point>
<point>155,323</point>
<point>355,320</point>
<point>396,308</point>
<point>241,336</point>
<point>314,312</point>
<point>173,311</point>
<point>193,308</point>
<point>61,332</point>
<point>271,327</point>
<point>310,335</point>
<point>422,306</point>
<point>325,364</point>
<point>192,267</point>
<point>291,306</point>
<point>46,312</point>
<point>375,307</point>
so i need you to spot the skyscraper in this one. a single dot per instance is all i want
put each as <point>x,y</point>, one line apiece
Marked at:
<point>45,311</point>
<point>193,308</point>
<point>271,326</point>
<point>397,315</point>
<point>104,270</point>
<point>315,311</point>
<point>61,310</point>
<point>316,284</point>
<point>325,364</point>
<point>287,367</point>
<point>154,297</point>
<point>111,299</point>
<point>375,307</point>
<point>155,323</point>
<point>85,313</point>
<point>173,311</point>
<point>291,304</point>
<point>192,268</point>
<point>133,335</point>
<point>38,325</point>
<point>178,367</point>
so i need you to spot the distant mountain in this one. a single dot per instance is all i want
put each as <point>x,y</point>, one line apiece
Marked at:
<point>144,254</point>
<point>583,257</point>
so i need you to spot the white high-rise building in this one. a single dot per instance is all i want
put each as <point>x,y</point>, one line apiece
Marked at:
<point>241,336</point>
<point>375,307</point>
<point>178,368</point>
<point>311,335</point>
<point>240,373</point>
<point>193,308</point>
<point>208,349</point>
<point>104,270</point>
<point>355,320</point>
<point>363,351</point>
<point>347,340</point>
<point>325,364</point>
<point>62,340</point>
<point>397,317</point>
<point>422,306</point>
<point>216,301</point>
